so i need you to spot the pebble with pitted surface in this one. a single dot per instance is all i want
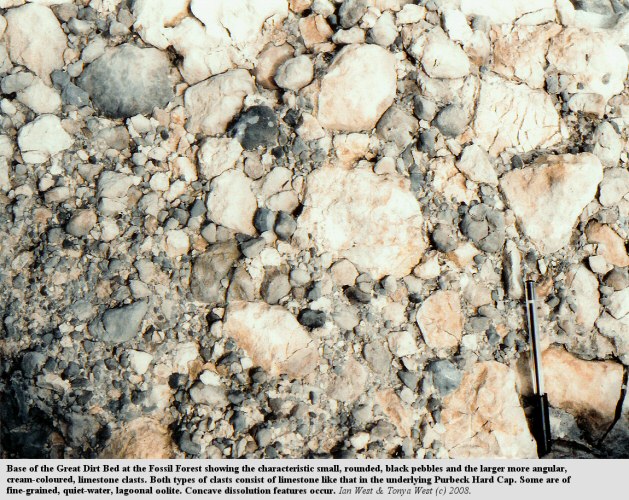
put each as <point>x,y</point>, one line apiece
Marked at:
<point>300,228</point>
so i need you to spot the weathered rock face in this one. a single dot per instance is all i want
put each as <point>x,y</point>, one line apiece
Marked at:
<point>484,418</point>
<point>589,390</point>
<point>357,89</point>
<point>440,320</point>
<point>303,226</point>
<point>35,39</point>
<point>509,115</point>
<point>521,53</point>
<point>373,221</point>
<point>127,81</point>
<point>239,20</point>
<point>142,438</point>
<point>501,12</point>
<point>548,196</point>
<point>272,337</point>
<point>592,62</point>
<point>213,103</point>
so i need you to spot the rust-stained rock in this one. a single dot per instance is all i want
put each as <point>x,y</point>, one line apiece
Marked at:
<point>349,384</point>
<point>610,246</point>
<point>440,320</point>
<point>142,438</point>
<point>372,220</point>
<point>484,417</point>
<point>398,412</point>
<point>272,337</point>
<point>548,196</point>
<point>589,390</point>
<point>357,89</point>
<point>521,52</point>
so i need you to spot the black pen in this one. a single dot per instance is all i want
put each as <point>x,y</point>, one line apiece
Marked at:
<point>541,423</point>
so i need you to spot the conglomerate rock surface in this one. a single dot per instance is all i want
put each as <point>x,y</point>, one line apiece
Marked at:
<point>297,228</point>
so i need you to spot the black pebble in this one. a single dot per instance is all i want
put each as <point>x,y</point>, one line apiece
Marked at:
<point>312,319</point>
<point>256,127</point>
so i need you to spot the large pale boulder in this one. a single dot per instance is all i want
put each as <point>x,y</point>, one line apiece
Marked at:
<point>218,155</point>
<point>440,320</point>
<point>510,115</point>
<point>240,20</point>
<point>506,12</point>
<point>141,438</point>
<point>272,337</point>
<point>35,39</point>
<point>372,220</point>
<point>358,88</point>
<point>442,58</point>
<point>484,417</point>
<point>592,62</point>
<point>548,196</point>
<point>154,19</point>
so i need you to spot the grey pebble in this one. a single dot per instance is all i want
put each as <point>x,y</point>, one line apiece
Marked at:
<point>409,379</point>
<point>311,318</point>
<point>285,226</point>
<point>446,376</point>
<point>451,120</point>
<point>252,247</point>
<point>32,362</point>
<point>444,238</point>
<point>275,287</point>
<point>74,96</point>
<point>264,219</point>
<point>424,109</point>
<point>256,127</point>
<point>121,324</point>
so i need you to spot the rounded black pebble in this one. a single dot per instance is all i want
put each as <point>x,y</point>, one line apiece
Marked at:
<point>311,319</point>
<point>256,127</point>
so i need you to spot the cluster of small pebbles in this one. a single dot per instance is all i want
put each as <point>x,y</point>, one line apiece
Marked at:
<point>300,228</point>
